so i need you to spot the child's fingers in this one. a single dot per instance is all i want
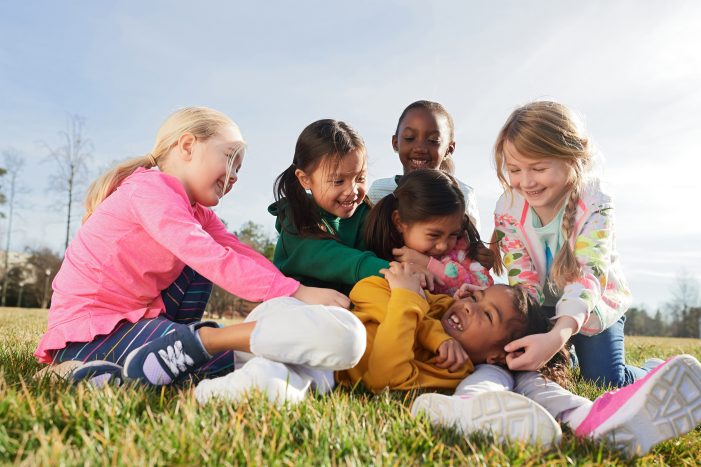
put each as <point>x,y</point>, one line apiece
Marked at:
<point>517,344</point>
<point>428,278</point>
<point>446,357</point>
<point>461,358</point>
<point>513,362</point>
<point>457,365</point>
<point>520,362</point>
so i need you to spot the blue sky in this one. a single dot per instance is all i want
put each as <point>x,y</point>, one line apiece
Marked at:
<point>631,68</point>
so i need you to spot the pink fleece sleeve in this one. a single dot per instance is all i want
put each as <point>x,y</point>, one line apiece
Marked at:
<point>216,228</point>
<point>164,212</point>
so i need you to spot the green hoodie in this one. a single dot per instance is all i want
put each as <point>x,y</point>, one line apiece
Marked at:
<point>320,262</point>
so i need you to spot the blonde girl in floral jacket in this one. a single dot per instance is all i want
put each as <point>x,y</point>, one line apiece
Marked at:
<point>555,230</point>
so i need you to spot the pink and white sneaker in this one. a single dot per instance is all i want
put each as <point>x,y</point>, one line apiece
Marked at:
<point>666,403</point>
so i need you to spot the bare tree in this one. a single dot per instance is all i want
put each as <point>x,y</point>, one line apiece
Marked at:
<point>685,305</point>
<point>72,160</point>
<point>14,162</point>
<point>685,290</point>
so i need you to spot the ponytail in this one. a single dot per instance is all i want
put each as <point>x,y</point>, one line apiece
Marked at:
<point>110,180</point>
<point>303,212</point>
<point>472,236</point>
<point>381,235</point>
<point>494,246</point>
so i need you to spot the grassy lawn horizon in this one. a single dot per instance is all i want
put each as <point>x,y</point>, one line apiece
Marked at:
<point>48,422</point>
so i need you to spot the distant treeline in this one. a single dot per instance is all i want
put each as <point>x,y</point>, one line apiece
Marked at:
<point>28,285</point>
<point>676,321</point>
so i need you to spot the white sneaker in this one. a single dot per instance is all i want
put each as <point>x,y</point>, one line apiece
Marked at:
<point>273,379</point>
<point>664,404</point>
<point>507,415</point>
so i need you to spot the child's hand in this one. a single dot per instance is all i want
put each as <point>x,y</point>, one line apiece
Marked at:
<point>451,355</point>
<point>485,256</point>
<point>402,276</point>
<point>532,352</point>
<point>407,255</point>
<point>319,296</point>
<point>428,280</point>
<point>466,290</point>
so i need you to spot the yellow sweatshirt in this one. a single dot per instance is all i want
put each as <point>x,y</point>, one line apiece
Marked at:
<point>403,335</point>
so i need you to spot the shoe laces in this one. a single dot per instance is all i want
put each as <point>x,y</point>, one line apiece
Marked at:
<point>175,358</point>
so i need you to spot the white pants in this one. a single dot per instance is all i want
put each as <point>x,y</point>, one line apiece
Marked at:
<point>294,347</point>
<point>553,397</point>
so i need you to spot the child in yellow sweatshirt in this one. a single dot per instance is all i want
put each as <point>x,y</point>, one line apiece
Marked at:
<point>416,339</point>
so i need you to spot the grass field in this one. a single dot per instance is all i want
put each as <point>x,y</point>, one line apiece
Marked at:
<point>45,422</point>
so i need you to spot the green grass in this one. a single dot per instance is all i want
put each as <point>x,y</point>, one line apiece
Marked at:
<point>47,422</point>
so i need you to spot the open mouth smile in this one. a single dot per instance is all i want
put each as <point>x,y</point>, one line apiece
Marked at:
<point>221,188</point>
<point>419,163</point>
<point>454,322</point>
<point>348,204</point>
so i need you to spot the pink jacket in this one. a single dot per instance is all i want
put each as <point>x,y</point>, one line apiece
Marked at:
<point>135,244</point>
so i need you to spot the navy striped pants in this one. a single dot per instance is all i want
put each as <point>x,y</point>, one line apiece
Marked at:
<point>185,301</point>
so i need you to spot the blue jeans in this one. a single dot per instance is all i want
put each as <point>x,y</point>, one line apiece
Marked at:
<point>602,358</point>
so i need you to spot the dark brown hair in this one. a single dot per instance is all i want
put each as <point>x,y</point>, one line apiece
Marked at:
<point>322,139</point>
<point>556,369</point>
<point>420,195</point>
<point>437,109</point>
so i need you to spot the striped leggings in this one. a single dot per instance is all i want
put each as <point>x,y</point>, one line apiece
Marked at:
<point>185,301</point>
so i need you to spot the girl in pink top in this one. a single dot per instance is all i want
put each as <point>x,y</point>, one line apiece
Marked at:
<point>423,221</point>
<point>142,227</point>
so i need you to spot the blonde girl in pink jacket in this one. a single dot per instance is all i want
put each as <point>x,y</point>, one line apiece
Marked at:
<point>134,282</point>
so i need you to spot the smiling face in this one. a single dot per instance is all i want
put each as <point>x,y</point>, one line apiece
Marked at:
<point>484,323</point>
<point>433,237</point>
<point>338,184</point>
<point>544,181</point>
<point>422,140</point>
<point>213,166</point>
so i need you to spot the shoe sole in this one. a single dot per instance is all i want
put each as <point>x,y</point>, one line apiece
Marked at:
<point>507,415</point>
<point>670,406</point>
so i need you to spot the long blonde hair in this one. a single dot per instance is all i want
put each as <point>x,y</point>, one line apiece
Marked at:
<point>202,122</point>
<point>549,129</point>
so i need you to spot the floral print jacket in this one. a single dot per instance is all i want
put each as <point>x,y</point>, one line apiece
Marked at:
<point>600,296</point>
<point>456,268</point>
